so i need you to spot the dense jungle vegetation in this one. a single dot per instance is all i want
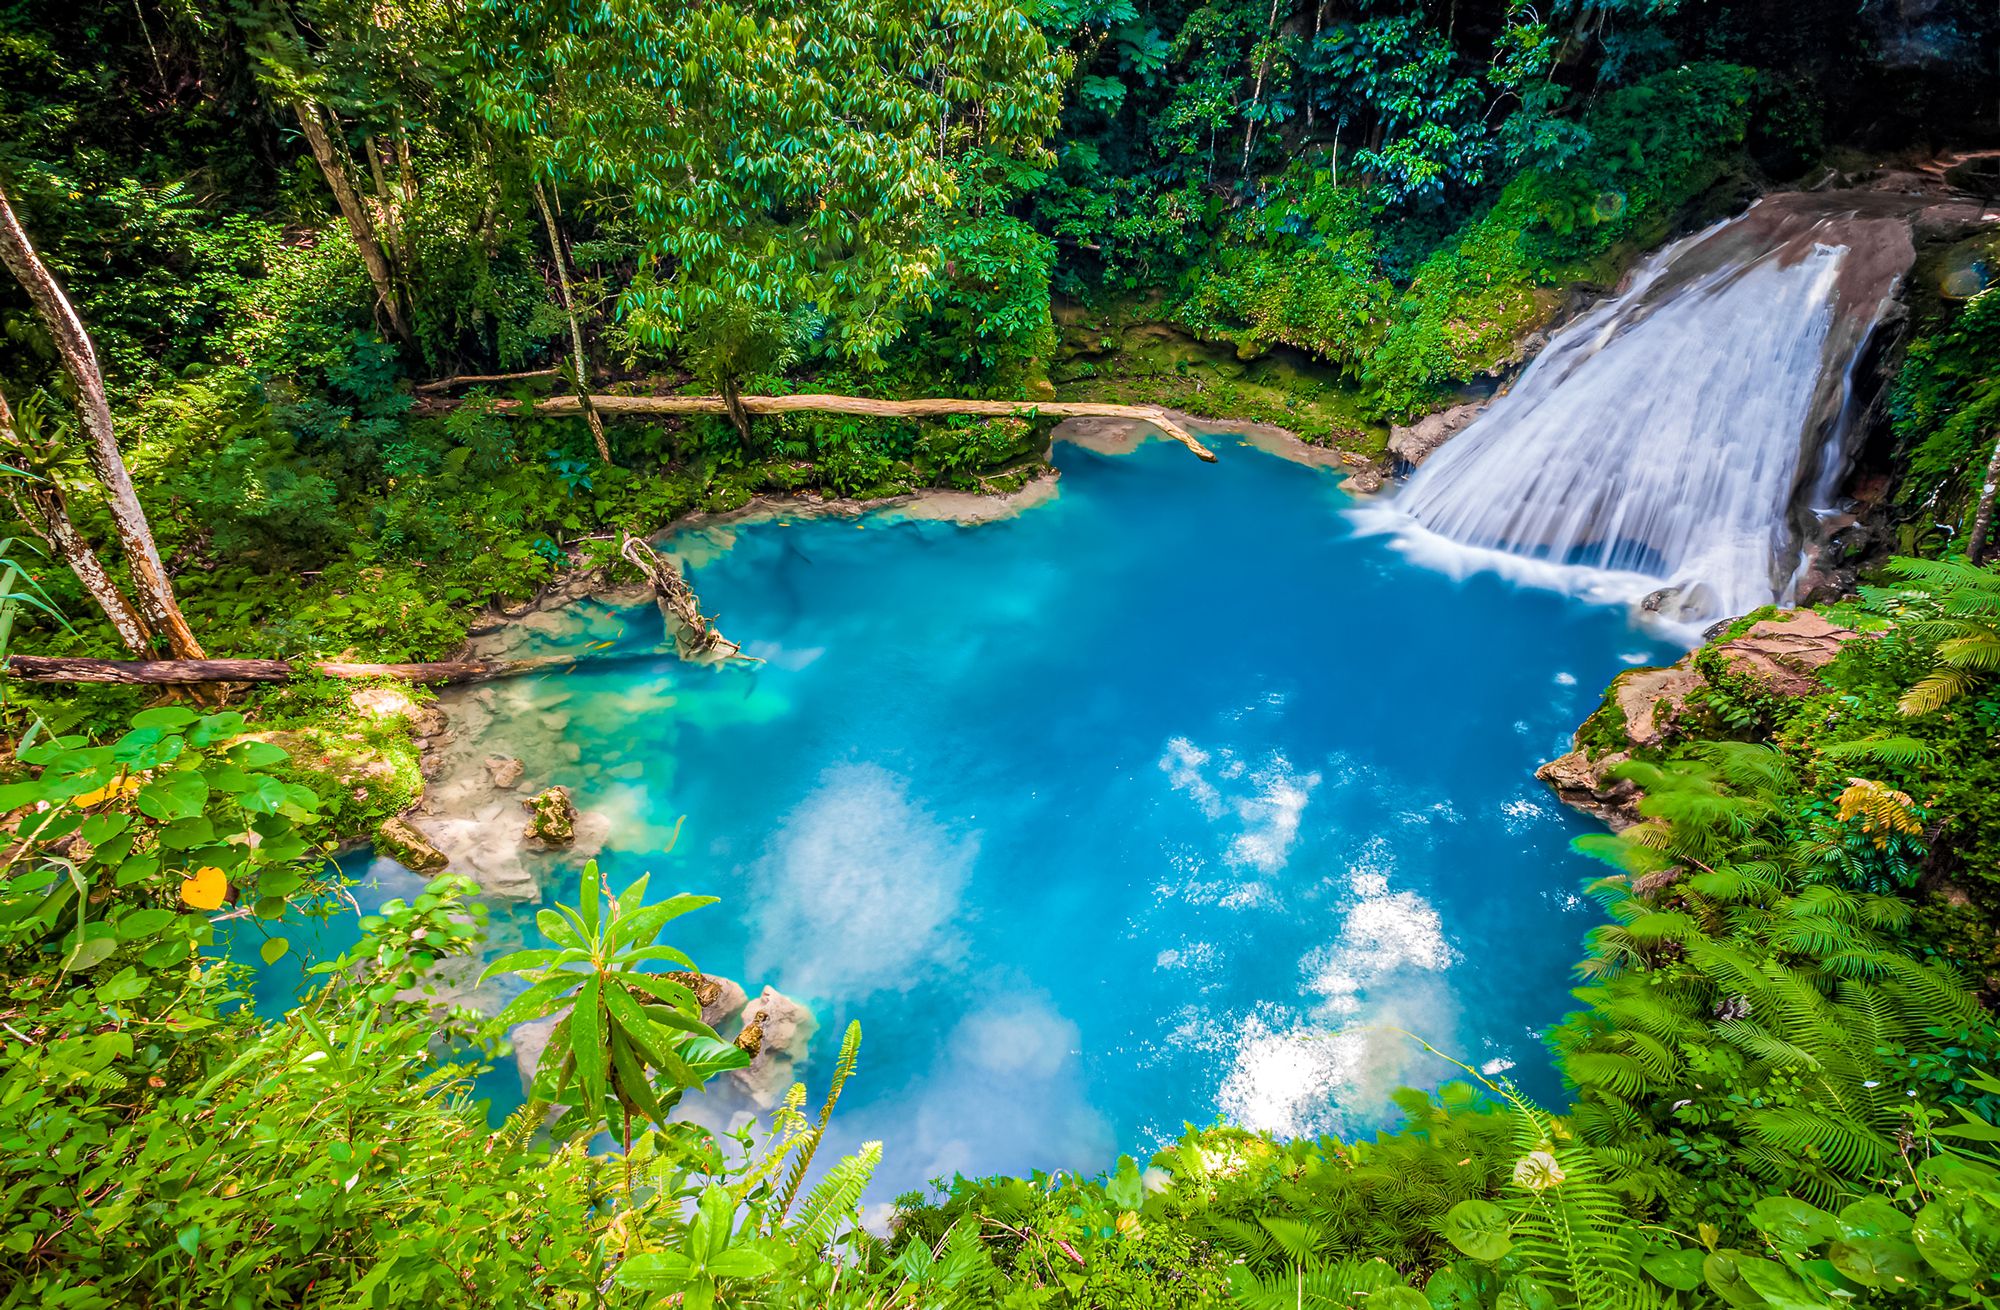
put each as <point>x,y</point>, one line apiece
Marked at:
<point>286,277</point>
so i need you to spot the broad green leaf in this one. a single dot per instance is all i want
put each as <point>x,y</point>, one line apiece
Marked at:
<point>273,949</point>
<point>1397,1298</point>
<point>1792,1224</point>
<point>1479,1229</point>
<point>656,1271</point>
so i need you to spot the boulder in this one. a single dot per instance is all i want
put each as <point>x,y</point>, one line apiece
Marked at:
<point>776,1031</point>
<point>721,999</point>
<point>1651,701</point>
<point>1784,654</point>
<point>1579,782</point>
<point>1417,442</point>
<point>530,1041</point>
<point>406,844</point>
<point>553,820</point>
<point>505,771</point>
<point>1364,481</point>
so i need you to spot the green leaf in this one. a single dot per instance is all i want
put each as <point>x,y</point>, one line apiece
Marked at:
<point>656,1271</point>
<point>178,795</point>
<point>273,949</point>
<point>1877,1261</point>
<point>89,953</point>
<point>189,1238</point>
<point>165,716</point>
<point>1723,1272</point>
<point>518,961</point>
<point>1939,1242</point>
<point>588,1041</point>
<point>1479,1229</point>
<point>1126,1188</point>
<point>1397,1298</point>
<point>144,923</point>
<point>1678,1269</point>
<point>1872,1216</point>
<point>708,1234</point>
<point>1792,1224</point>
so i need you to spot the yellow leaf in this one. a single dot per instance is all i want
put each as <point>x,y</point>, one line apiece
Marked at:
<point>112,790</point>
<point>207,890</point>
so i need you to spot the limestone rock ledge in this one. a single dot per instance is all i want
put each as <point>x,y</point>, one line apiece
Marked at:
<point>1646,708</point>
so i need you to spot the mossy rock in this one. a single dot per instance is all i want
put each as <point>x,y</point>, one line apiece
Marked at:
<point>552,817</point>
<point>403,842</point>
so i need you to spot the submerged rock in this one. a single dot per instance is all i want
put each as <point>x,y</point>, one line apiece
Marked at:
<point>776,1031</point>
<point>721,999</point>
<point>554,817</point>
<point>505,771</point>
<point>406,844</point>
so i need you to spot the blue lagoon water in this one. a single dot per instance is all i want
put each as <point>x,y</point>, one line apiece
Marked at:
<point>1167,800</point>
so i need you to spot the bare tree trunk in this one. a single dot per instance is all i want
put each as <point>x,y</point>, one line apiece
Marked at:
<point>155,591</point>
<point>556,252</point>
<point>49,513</point>
<point>334,164</point>
<point>1257,89</point>
<point>732,405</point>
<point>1982,519</point>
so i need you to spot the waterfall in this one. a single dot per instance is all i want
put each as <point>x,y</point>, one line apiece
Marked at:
<point>1663,446</point>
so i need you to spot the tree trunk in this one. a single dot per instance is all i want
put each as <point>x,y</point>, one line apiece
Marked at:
<point>556,252</point>
<point>1982,519</point>
<point>732,405</point>
<point>1257,90</point>
<point>155,592</point>
<point>869,407</point>
<point>334,164</point>
<point>49,513</point>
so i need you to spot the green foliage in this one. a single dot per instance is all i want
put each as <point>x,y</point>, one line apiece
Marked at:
<point>630,1042</point>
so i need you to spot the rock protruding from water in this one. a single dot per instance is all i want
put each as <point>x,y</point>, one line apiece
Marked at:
<point>406,844</point>
<point>552,818</point>
<point>776,1030</point>
<point>721,999</point>
<point>1417,442</point>
<point>531,1041</point>
<point>1583,782</point>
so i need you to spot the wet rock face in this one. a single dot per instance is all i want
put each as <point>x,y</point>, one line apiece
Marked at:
<point>552,817</point>
<point>1417,442</point>
<point>406,844</point>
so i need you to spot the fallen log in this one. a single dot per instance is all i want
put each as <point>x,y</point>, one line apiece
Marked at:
<point>868,407</point>
<point>694,633</point>
<point>167,673</point>
<point>483,379</point>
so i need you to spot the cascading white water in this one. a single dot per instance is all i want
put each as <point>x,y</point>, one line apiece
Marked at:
<point>1659,444</point>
